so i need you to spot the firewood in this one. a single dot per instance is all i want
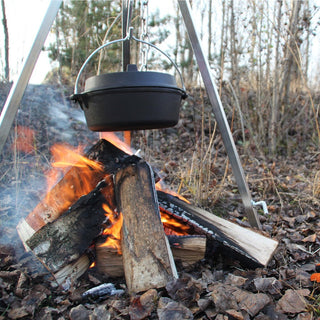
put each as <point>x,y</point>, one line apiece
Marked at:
<point>250,248</point>
<point>109,261</point>
<point>67,238</point>
<point>148,261</point>
<point>187,249</point>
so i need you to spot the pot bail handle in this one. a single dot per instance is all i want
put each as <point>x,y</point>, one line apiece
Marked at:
<point>129,36</point>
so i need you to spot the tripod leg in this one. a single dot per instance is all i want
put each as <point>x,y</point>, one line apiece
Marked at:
<point>219,114</point>
<point>13,101</point>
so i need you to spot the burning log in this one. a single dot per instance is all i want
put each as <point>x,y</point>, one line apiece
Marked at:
<point>252,249</point>
<point>107,159</point>
<point>187,249</point>
<point>64,240</point>
<point>148,261</point>
<point>58,199</point>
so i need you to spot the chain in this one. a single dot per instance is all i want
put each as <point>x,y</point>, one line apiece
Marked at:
<point>144,48</point>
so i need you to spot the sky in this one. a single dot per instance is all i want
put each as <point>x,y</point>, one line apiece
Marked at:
<point>24,19</point>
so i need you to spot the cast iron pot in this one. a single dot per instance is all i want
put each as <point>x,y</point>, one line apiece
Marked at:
<point>131,100</point>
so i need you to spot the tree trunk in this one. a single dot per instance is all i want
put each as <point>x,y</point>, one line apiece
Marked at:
<point>210,31</point>
<point>6,42</point>
<point>275,96</point>
<point>291,53</point>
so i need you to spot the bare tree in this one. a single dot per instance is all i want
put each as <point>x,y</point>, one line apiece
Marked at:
<point>275,100</point>
<point>6,42</point>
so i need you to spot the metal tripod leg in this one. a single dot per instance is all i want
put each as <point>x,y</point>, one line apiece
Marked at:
<point>13,101</point>
<point>219,114</point>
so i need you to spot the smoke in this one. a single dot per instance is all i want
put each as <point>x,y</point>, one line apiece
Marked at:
<point>45,117</point>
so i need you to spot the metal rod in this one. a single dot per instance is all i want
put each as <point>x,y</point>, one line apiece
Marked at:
<point>219,114</point>
<point>14,98</point>
<point>126,23</point>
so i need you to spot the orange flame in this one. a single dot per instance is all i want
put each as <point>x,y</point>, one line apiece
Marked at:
<point>81,180</point>
<point>173,226</point>
<point>114,231</point>
<point>115,140</point>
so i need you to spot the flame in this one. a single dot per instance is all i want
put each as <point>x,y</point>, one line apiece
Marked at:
<point>115,140</point>
<point>84,180</point>
<point>25,139</point>
<point>173,226</point>
<point>113,232</point>
<point>81,181</point>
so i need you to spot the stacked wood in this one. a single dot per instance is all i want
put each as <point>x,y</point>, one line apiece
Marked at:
<point>103,152</point>
<point>125,184</point>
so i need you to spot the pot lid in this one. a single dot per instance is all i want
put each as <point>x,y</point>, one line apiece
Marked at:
<point>131,78</point>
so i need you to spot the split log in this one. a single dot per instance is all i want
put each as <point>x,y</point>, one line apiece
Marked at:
<point>64,241</point>
<point>251,248</point>
<point>187,249</point>
<point>148,261</point>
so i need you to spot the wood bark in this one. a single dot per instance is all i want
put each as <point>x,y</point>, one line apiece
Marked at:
<point>148,261</point>
<point>66,239</point>
<point>250,248</point>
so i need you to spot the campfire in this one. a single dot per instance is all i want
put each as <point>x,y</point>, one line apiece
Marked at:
<point>107,208</point>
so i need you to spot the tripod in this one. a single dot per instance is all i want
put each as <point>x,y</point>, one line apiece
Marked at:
<point>16,93</point>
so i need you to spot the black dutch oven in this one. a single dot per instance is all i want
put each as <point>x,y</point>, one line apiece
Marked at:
<point>130,100</point>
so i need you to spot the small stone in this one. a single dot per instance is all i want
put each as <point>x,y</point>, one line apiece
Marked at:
<point>79,313</point>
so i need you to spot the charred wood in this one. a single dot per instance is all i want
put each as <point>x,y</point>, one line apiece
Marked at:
<point>251,248</point>
<point>64,240</point>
